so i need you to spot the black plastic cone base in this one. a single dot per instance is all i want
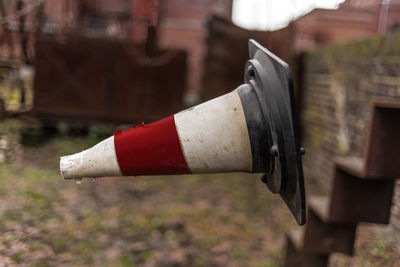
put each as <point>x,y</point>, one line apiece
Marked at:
<point>273,84</point>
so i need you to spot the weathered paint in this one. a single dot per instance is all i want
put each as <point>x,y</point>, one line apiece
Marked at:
<point>150,149</point>
<point>214,136</point>
<point>211,137</point>
<point>98,161</point>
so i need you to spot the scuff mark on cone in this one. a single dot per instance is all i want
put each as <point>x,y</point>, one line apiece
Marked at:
<point>98,161</point>
<point>214,136</point>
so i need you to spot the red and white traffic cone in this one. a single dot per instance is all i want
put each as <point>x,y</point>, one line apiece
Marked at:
<point>211,137</point>
<point>251,129</point>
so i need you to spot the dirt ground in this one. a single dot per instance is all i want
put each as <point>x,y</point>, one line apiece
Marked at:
<point>198,220</point>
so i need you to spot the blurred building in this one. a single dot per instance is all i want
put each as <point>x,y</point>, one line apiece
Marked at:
<point>183,25</point>
<point>123,19</point>
<point>353,20</point>
<point>24,20</point>
<point>180,24</point>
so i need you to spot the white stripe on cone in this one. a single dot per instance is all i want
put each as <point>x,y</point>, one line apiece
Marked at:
<point>97,161</point>
<point>214,136</point>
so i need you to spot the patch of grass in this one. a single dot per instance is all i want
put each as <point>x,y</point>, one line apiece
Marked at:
<point>59,244</point>
<point>201,262</point>
<point>35,247</point>
<point>12,215</point>
<point>93,222</point>
<point>6,173</point>
<point>239,254</point>
<point>41,264</point>
<point>38,175</point>
<point>86,250</point>
<point>86,247</point>
<point>37,196</point>
<point>204,242</point>
<point>17,257</point>
<point>378,248</point>
<point>10,126</point>
<point>366,263</point>
<point>145,255</point>
<point>125,261</point>
<point>266,263</point>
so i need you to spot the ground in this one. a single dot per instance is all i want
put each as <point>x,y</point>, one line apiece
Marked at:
<point>198,220</point>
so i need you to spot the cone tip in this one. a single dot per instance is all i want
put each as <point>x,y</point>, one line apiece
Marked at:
<point>64,165</point>
<point>61,169</point>
<point>97,161</point>
<point>74,166</point>
<point>67,165</point>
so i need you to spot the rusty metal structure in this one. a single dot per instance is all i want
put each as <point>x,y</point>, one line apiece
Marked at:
<point>85,79</point>
<point>223,68</point>
<point>93,60</point>
<point>362,191</point>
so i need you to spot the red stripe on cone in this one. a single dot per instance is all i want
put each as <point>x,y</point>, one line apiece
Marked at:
<point>151,149</point>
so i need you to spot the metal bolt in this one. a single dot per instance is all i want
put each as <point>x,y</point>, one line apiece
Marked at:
<point>264,178</point>
<point>250,71</point>
<point>274,151</point>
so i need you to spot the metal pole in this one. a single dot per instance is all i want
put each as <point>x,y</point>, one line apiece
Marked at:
<point>383,18</point>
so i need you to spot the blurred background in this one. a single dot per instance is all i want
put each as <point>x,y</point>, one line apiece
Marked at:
<point>72,72</point>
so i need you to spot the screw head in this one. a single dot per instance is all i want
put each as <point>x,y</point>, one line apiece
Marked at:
<point>250,70</point>
<point>274,151</point>
<point>264,178</point>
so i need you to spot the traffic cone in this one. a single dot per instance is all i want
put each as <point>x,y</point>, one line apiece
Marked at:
<point>251,129</point>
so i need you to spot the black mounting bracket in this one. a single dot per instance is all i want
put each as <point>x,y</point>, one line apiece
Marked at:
<point>273,83</point>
